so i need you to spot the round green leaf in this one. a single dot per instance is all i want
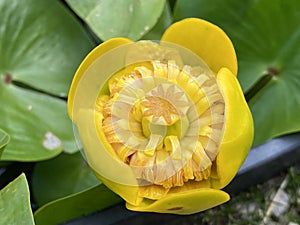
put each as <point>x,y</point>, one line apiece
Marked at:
<point>41,45</point>
<point>76,205</point>
<point>162,24</point>
<point>64,175</point>
<point>4,139</point>
<point>266,35</point>
<point>38,124</point>
<point>15,205</point>
<point>119,18</point>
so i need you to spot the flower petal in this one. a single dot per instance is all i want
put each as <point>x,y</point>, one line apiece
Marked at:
<point>238,130</point>
<point>102,159</point>
<point>128,193</point>
<point>183,203</point>
<point>89,59</point>
<point>206,40</point>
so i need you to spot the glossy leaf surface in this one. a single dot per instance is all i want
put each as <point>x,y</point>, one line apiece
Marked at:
<point>15,203</point>
<point>162,24</point>
<point>119,18</point>
<point>73,206</point>
<point>4,140</point>
<point>62,176</point>
<point>41,45</point>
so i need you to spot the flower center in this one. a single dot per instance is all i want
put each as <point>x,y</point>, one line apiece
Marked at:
<point>161,110</point>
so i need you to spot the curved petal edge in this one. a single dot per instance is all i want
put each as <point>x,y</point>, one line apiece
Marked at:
<point>205,39</point>
<point>238,130</point>
<point>89,59</point>
<point>184,203</point>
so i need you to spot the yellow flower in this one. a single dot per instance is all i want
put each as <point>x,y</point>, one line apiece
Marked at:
<point>164,125</point>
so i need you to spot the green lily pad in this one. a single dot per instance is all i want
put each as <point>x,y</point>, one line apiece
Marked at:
<point>162,24</point>
<point>15,203</point>
<point>4,139</point>
<point>38,125</point>
<point>266,35</point>
<point>119,18</point>
<point>64,175</point>
<point>86,202</point>
<point>41,45</point>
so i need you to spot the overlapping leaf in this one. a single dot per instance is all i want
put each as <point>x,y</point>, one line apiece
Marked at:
<point>62,176</point>
<point>65,186</point>
<point>41,45</point>
<point>119,18</point>
<point>266,35</point>
<point>4,139</point>
<point>15,203</point>
<point>74,206</point>
<point>162,24</point>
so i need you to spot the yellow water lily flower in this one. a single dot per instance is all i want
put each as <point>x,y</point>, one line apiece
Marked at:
<point>164,124</point>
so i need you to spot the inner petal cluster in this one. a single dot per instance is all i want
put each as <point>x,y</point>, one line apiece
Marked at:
<point>165,122</point>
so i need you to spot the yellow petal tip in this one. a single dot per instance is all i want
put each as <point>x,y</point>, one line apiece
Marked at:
<point>184,203</point>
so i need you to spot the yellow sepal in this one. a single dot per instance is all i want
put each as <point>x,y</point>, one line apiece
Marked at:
<point>206,40</point>
<point>184,203</point>
<point>89,59</point>
<point>129,193</point>
<point>238,131</point>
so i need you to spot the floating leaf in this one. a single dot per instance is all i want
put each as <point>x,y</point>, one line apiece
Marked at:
<point>15,203</point>
<point>37,123</point>
<point>4,139</point>
<point>41,45</point>
<point>73,206</point>
<point>266,35</point>
<point>62,176</point>
<point>119,18</point>
<point>163,23</point>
